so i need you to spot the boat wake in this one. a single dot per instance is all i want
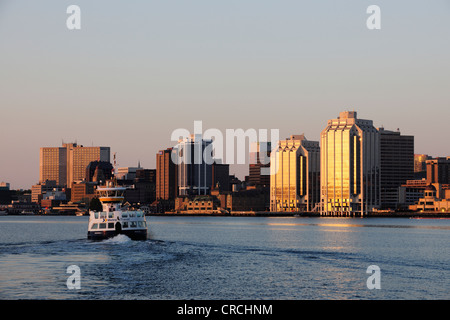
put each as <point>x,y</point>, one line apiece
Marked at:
<point>120,238</point>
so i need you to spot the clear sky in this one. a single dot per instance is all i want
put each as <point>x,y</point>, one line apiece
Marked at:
<point>137,70</point>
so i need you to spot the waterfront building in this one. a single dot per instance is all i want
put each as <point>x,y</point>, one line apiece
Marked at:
<point>396,163</point>
<point>166,175</point>
<point>350,166</point>
<point>38,190</point>
<point>83,191</point>
<point>415,191</point>
<point>194,164</point>
<point>221,176</point>
<point>245,200</point>
<point>67,164</point>
<point>197,204</point>
<point>143,188</point>
<point>5,193</point>
<point>259,164</point>
<point>4,186</point>
<point>295,175</point>
<point>432,202</point>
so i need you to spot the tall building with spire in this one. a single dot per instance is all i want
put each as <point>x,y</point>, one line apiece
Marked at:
<point>350,166</point>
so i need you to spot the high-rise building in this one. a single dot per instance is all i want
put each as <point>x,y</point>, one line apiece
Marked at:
<point>166,175</point>
<point>221,176</point>
<point>420,166</point>
<point>438,170</point>
<point>295,175</point>
<point>67,164</point>
<point>143,187</point>
<point>53,165</point>
<point>350,166</point>
<point>194,163</point>
<point>259,166</point>
<point>397,165</point>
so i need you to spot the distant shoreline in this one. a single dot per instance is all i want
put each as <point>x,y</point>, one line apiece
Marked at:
<point>314,215</point>
<point>429,215</point>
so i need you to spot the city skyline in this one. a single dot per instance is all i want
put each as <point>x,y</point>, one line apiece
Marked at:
<point>135,73</point>
<point>248,147</point>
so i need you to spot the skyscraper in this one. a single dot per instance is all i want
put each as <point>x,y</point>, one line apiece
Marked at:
<point>396,165</point>
<point>166,175</point>
<point>259,167</point>
<point>350,166</point>
<point>67,164</point>
<point>53,165</point>
<point>194,162</point>
<point>438,170</point>
<point>295,175</point>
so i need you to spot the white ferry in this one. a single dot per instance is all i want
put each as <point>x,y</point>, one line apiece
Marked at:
<point>112,220</point>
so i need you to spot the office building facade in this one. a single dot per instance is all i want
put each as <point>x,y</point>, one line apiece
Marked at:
<point>350,166</point>
<point>194,160</point>
<point>295,175</point>
<point>396,165</point>
<point>166,175</point>
<point>67,164</point>
<point>259,166</point>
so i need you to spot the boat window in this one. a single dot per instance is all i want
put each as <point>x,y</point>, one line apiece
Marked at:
<point>103,215</point>
<point>124,215</point>
<point>94,226</point>
<point>132,224</point>
<point>102,226</point>
<point>125,224</point>
<point>111,225</point>
<point>110,214</point>
<point>131,215</point>
<point>96,215</point>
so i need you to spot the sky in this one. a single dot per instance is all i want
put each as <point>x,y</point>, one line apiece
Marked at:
<point>138,70</point>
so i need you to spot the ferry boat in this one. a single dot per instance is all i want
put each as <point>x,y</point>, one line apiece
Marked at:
<point>113,220</point>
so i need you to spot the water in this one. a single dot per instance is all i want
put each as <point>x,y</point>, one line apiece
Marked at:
<point>227,258</point>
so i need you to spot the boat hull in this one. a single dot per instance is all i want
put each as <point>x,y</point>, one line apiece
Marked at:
<point>138,234</point>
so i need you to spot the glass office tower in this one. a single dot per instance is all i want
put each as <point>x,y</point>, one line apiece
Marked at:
<point>194,166</point>
<point>294,175</point>
<point>350,166</point>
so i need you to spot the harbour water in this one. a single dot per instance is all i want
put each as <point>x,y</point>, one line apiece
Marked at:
<point>227,258</point>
